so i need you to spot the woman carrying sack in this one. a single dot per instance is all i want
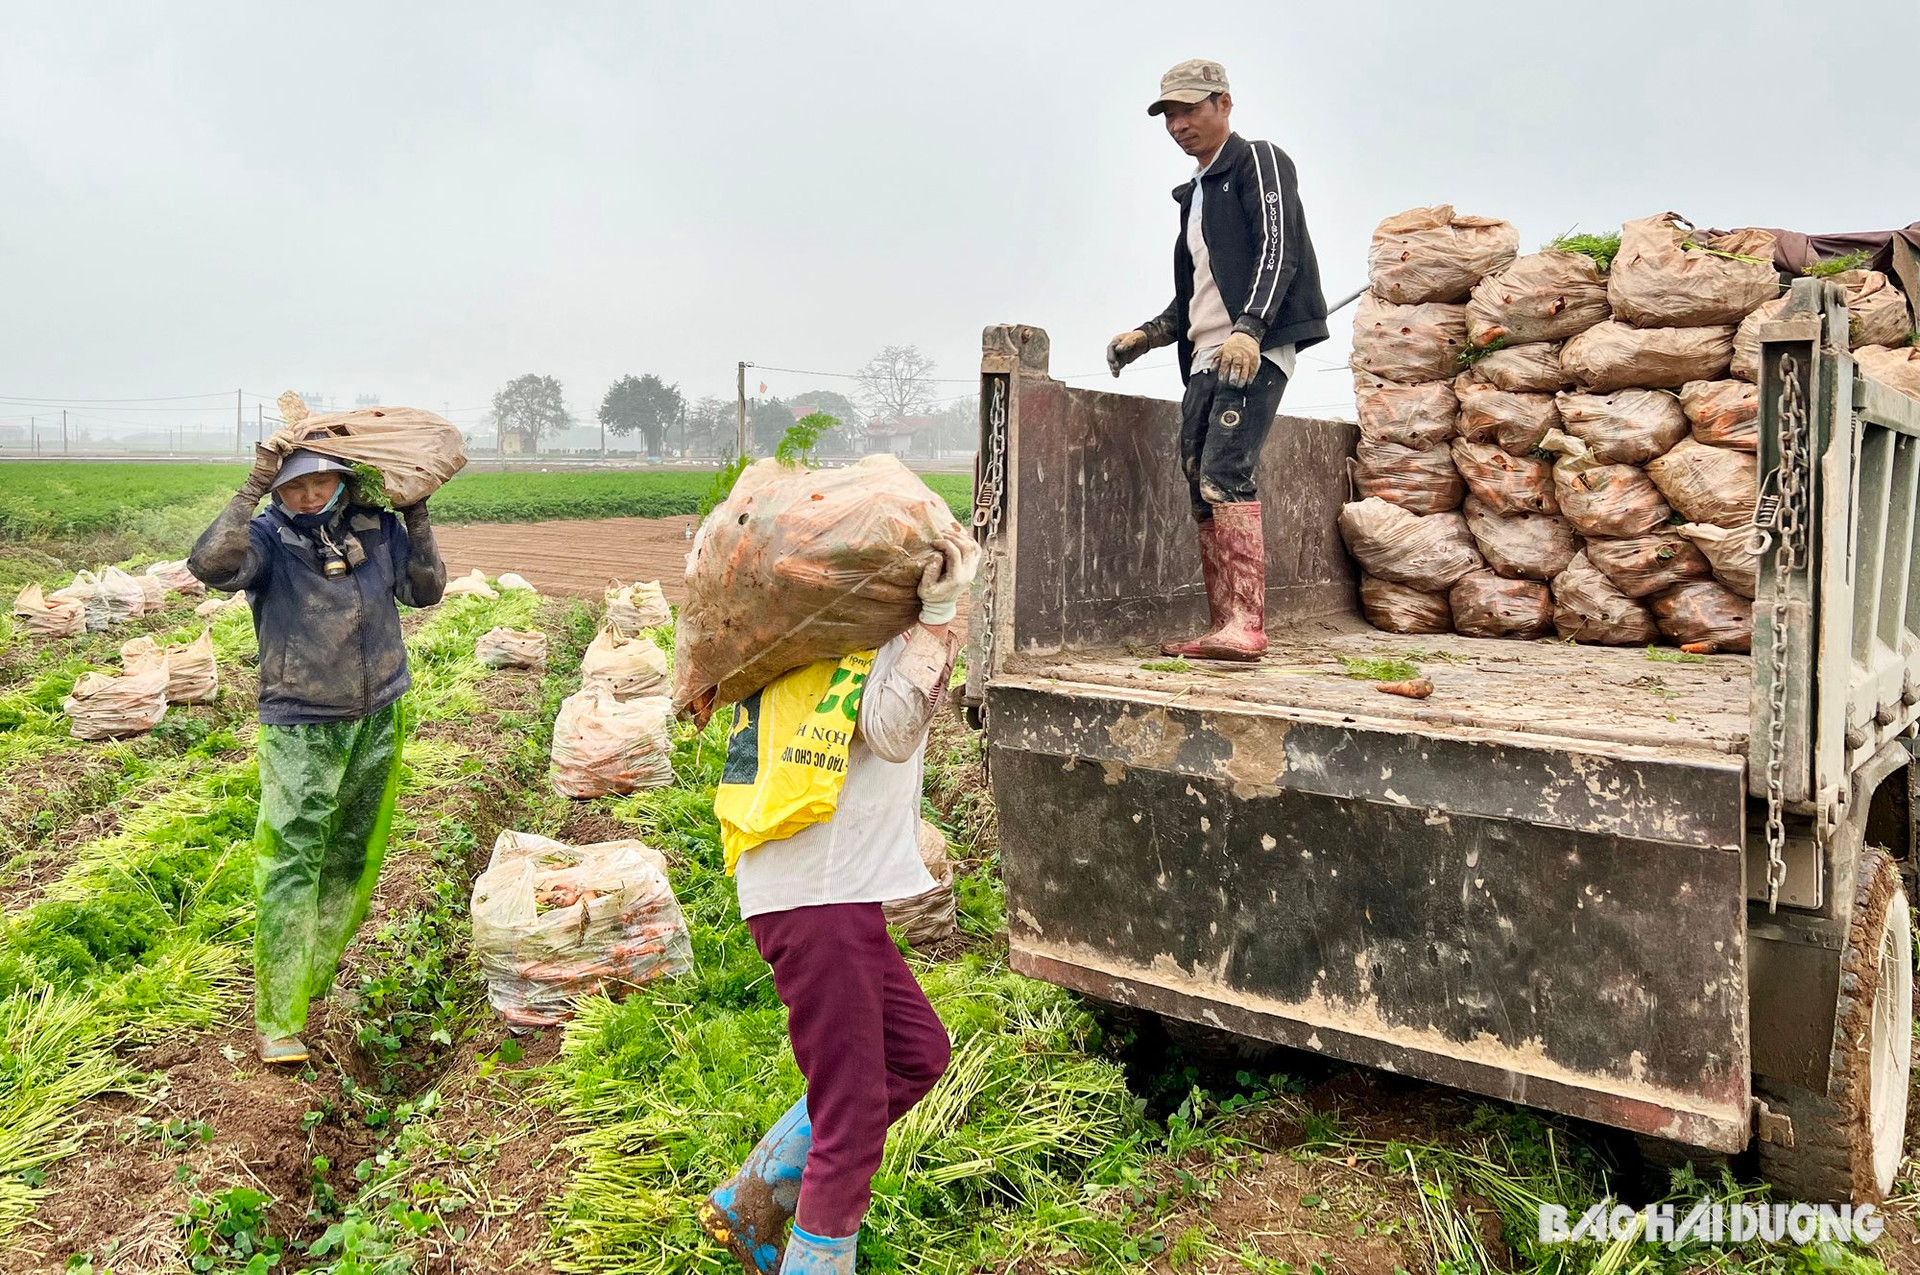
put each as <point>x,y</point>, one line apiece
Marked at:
<point>819,809</point>
<point>325,578</point>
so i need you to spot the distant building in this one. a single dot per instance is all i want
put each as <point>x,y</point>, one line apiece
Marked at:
<point>904,435</point>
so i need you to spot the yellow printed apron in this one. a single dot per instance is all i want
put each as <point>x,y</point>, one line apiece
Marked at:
<point>787,755</point>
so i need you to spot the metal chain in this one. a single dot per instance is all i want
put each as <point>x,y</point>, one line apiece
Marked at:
<point>988,510</point>
<point>1779,522</point>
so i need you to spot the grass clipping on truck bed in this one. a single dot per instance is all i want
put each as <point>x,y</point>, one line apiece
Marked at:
<point>671,1088</point>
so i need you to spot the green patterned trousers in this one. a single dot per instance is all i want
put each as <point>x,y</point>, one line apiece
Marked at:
<point>326,806</point>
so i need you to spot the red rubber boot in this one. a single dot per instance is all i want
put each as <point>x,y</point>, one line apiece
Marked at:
<point>1213,571</point>
<point>1243,555</point>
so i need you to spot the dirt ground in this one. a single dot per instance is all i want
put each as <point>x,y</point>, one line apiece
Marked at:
<point>579,559</point>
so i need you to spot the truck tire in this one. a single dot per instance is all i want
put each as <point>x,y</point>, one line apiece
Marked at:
<point>1849,1142</point>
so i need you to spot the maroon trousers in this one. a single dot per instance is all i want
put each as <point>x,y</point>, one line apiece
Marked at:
<point>866,1039</point>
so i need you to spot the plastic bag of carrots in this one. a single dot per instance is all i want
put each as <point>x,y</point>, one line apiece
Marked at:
<point>799,565</point>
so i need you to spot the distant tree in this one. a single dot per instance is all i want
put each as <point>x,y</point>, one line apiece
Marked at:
<point>959,428</point>
<point>530,405</point>
<point>897,383</point>
<point>843,437</point>
<point>644,403</point>
<point>712,425</point>
<point>768,420</point>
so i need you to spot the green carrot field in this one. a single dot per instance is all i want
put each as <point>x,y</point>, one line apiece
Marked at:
<point>54,498</point>
<point>137,1134</point>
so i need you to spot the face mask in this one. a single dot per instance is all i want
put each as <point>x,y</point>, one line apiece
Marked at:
<point>311,522</point>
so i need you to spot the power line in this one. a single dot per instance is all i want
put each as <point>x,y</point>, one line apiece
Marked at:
<point>32,400</point>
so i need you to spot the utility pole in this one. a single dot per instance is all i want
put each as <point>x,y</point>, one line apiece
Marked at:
<point>239,443</point>
<point>63,431</point>
<point>33,427</point>
<point>740,389</point>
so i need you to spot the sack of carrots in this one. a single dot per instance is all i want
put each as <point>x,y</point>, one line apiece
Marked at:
<point>799,565</point>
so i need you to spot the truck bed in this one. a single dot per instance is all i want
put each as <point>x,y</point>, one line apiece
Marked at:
<point>1546,688</point>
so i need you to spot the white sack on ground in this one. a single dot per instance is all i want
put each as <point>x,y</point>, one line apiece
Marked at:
<point>625,667</point>
<point>43,616</point>
<point>637,606</point>
<point>177,579</point>
<point>605,748</point>
<point>554,922</point>
<point>193,676</point>
<point>928,917</point>
<point>471,585</point>
<point>511,648</point>
<point>103,706</point>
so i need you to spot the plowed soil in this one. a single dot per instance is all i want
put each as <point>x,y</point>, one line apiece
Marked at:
<point>578,559</point>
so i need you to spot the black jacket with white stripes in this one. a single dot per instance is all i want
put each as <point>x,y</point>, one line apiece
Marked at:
<point>1263,260</point>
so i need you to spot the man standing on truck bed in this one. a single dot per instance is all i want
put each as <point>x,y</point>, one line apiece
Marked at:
<point>1246,299</point>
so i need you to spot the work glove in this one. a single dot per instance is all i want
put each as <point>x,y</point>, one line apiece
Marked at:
<point>956,557</point>
<point>1239,360</point>
<point>266,463</point>
<point>1125,348</point>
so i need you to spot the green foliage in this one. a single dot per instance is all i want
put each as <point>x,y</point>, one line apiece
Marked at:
<point>1662,656</point>
<point>1380,668</point>
<point>369,487</point>
<point>159,512</point>
<point>419,993</point>
<point>1827,267</point>
<point>1473,354</point>
<point>797,445</point>
<point>1177,664</point>
<point>228,1232</point>
<point>722,485</point>
<point>1602,248</point>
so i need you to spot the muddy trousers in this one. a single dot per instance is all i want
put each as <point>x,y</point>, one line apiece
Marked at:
<point>1221,433</point>
<point>326,807</point>
<point>866,1039</point>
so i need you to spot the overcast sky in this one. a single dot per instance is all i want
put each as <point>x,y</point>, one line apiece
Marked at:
<point>425,200</point>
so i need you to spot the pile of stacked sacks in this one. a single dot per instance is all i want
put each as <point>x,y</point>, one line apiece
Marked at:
<point>1563,442</point>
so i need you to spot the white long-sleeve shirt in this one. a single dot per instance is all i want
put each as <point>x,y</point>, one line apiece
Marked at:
<point>868,851</point>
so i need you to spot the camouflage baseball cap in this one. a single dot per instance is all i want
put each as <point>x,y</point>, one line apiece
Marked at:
<point>1194,80</point>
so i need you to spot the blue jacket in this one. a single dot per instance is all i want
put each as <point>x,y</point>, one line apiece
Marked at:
<point>330,650</point>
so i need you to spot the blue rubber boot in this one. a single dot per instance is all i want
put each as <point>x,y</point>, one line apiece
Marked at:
<point>817,1255</point>
<point>749,1212</point>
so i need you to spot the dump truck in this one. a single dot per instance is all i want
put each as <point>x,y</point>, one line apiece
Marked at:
<point>1666,896</point>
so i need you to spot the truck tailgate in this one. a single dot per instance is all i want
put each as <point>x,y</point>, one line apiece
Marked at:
<point>1545,920</point>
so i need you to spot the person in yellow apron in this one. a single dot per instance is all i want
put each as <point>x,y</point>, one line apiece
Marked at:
<point>819,808</point>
